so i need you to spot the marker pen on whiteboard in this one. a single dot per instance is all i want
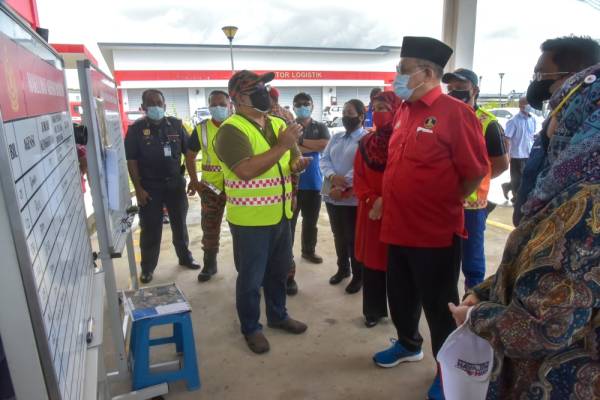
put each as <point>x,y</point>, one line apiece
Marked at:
<point>90,331</point>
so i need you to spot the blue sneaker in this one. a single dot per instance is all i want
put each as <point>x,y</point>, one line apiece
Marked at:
<point>435,390</point>
<point>395,355</point>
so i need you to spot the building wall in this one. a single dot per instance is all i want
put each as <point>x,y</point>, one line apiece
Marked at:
<point>187,74</point>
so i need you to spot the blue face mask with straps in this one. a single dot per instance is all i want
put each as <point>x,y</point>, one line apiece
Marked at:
<point>401,85</point>
<point>302,111</point>
<point>219,113</point>
<point>155,113</point>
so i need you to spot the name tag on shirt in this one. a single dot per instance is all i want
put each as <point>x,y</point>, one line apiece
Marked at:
<point>167,149</point>
<point>424,130</point>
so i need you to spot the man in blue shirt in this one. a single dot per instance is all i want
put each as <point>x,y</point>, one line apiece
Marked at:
<point>312,142</point>
<point>519,133</point>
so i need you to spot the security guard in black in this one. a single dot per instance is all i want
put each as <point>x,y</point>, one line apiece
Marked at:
<point>154,145</point>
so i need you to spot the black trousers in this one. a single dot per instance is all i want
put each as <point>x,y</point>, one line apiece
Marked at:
<point>171,194</point>
<point>423,278</point>
<point>309,204</point>
<point>374,293</point>
<point>343,223</point>
<point>517,165</point>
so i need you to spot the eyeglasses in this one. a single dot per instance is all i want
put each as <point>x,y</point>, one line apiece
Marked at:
<point>302,103</point>
<point>423,68</point>
<point>539,76</point>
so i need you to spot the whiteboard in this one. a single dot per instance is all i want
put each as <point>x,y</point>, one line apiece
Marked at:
<point>41,187</point>
<point>102,119</point>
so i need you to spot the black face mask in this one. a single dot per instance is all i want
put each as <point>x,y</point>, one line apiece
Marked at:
<point>538,92</point>
<point>350,123</point>
<point>261,100</point>
<point>462,95</point>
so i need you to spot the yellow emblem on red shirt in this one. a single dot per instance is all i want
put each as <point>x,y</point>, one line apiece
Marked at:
<point>430,122</point>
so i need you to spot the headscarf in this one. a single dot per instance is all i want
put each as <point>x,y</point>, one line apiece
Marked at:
<point>374,146</point>
<point>573,154</point>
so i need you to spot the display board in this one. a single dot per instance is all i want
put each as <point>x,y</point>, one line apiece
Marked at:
<point>102,118</point>
<point>41,188</point>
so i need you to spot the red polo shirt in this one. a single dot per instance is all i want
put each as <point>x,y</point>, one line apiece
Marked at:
<point>437,144</point>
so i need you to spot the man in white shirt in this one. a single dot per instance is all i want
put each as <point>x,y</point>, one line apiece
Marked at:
<point>519,133</point>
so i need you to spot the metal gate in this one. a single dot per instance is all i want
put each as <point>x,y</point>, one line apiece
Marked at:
<point>286,97</point>
<point>177,100</point>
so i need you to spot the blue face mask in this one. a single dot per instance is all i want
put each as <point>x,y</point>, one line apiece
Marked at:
<point>155,113</point>
<point>303,111</point>
<point>401,85</point>
<point>219,113</point>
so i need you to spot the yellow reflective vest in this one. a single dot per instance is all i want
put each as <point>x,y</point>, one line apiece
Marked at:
<point>264,200</point>
<point>211,167</point>
<point>478,199</point>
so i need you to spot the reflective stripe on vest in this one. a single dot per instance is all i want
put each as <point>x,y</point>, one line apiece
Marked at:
<point>258,201</point>
<point>478,199</point>
<point>257,183</point>
<point>211,170</point>
<point>264,200</point>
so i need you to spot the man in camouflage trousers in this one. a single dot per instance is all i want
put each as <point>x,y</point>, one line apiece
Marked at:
<point>210,188</point>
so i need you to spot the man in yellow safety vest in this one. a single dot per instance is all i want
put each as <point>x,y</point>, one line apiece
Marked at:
<point>463,85</point>
<point>210,188</point>
<point>258,155</point>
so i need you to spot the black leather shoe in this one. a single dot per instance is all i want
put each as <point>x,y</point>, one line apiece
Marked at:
<point>210,267</point>
<point>291,287</point>
<point>313,258</point>
<point>354,286</point>
<point>338,277</point>
<point>191,265</point>
<point>146,277</point>
<point>371,321</point>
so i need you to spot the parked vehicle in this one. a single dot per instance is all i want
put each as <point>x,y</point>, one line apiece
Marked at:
<point>506,113</point>
<point>336,126</point>
<point>330,113</point>
<point>200,115</point>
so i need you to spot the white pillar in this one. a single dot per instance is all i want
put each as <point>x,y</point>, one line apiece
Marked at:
<point>458,31</point>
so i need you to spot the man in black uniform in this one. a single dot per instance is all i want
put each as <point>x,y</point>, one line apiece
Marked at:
<point>153,146</point>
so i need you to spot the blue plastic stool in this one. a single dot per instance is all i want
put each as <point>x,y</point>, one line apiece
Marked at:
<point>139,350</point>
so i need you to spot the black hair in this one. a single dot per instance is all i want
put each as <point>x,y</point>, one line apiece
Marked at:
<point>302,96</point>
<point>573,53</point>
<point>148,92</point>
<point>217,93</point>
<point>358,105</point>
<point>375,92</point>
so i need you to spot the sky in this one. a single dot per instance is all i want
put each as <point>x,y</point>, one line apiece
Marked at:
<point>508,32</point>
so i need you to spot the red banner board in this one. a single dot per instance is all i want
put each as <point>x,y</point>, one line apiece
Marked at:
<point>33,86</point>
<point>104,89</point>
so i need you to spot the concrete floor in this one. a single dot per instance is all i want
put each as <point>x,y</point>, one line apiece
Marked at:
<point>331,361</point>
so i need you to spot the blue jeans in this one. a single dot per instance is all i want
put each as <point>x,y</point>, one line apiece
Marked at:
<point>473,260</point>
<point>262,257</point>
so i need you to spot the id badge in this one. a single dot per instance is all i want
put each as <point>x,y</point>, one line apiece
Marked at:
<point>167,149</point>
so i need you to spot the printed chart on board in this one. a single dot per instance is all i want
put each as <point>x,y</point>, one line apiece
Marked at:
<point>41,183</point>
<point>107,133</point>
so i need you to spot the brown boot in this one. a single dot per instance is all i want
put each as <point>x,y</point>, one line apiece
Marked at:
<point>257,342</point>
<point>289,325</point>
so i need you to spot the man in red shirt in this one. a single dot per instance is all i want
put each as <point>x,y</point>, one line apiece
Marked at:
<point>437,157</point>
